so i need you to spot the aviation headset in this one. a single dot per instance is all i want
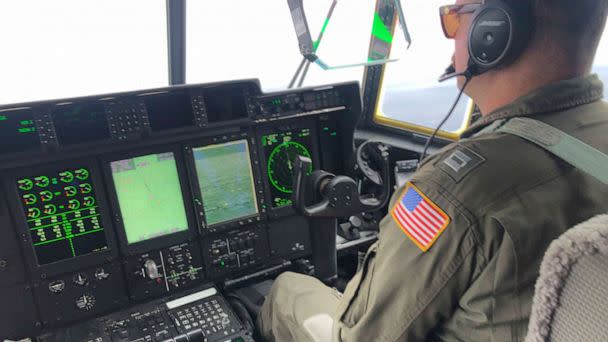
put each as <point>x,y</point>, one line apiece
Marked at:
<point>499,33</point>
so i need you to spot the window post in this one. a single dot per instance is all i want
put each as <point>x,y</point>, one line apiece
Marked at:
<point>176,41</point>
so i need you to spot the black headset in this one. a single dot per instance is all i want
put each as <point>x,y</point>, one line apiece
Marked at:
<point>499,33</point>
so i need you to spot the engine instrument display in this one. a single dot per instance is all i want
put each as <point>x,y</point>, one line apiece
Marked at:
<point>226,182</point>
<point>149,196</point>
<point>18,131</point>
<point>281,150</point>
<point>63,215</point>
<point>78,123</point>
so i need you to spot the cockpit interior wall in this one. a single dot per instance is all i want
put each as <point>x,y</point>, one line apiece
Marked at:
<point>149,198</point>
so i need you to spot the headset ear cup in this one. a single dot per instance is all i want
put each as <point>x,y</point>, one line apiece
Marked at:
<point>498,35</point>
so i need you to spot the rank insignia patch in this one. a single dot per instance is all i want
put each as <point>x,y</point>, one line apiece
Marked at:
<point>460,163</point>
<point>419,218</point>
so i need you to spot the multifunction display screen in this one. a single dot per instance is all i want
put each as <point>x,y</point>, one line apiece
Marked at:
<point>150,196</point>
<point>18,131</point>
<point>78,123</point>
<point>281,150</point>
<point>63,215</point>
<point>226,181</point>
<point>169,111</point>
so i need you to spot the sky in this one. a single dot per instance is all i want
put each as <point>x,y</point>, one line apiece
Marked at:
<point>64,48</point>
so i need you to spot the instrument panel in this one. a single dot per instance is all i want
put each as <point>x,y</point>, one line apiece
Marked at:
<point>119,199</point>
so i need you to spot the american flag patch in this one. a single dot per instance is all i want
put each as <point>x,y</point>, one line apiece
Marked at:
<point>419,218</point>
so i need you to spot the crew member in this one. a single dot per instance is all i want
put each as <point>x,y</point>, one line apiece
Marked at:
<point>459,253</point>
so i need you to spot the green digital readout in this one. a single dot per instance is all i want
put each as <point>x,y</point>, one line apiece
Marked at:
<point>226,181</point>
<point>282,149</point>
<point>62,214</point>
<point>150,196</point>
<point>18,131</point>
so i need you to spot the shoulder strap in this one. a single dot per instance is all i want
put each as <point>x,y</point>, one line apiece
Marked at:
<point>564,146</point>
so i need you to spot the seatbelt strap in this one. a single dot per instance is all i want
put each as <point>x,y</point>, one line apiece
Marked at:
<point>568,148</point>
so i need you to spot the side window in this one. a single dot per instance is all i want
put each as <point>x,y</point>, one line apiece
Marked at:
<point>600,65</point>
<point>67,48</point>
<point>409,95</point>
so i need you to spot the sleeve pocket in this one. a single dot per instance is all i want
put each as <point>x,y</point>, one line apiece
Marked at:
<point>354,301</point>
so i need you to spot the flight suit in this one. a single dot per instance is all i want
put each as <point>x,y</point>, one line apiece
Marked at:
<point>504,199</point>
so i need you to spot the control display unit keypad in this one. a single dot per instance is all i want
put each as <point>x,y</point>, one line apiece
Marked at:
<point>127,120</point>
<point>210,314</point>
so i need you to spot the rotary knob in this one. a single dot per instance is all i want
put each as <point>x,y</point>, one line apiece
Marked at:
<point>151,269</point>
<point>57,286</point>
<point>101,274</point>
<point>86,302</point>
<point>80,279</point>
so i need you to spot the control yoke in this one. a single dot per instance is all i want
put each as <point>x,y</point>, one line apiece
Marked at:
<point>338,196</point>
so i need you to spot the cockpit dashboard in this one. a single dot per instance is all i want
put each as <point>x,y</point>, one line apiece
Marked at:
<point>153,200</point>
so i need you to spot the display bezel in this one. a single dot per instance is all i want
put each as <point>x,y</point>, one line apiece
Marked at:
<point>52,110</point>
<point>161,241</point>
<point>36,119</point>
<point>197,196</point>
<point>20,220</point>
<point>287,126</point>
<point>189,93</point>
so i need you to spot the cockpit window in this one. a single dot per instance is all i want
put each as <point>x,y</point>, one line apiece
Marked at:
<point>601,62</point>
<point>410,96</point>
<point>256,39</point>
<point>66,48</point>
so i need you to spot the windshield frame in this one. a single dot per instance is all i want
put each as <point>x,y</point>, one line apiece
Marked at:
<point>373,92</point>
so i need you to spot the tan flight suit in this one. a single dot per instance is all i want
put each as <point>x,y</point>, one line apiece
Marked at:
<point>506,200</point>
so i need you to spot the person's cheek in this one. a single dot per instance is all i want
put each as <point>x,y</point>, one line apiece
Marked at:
<point>461,55</point>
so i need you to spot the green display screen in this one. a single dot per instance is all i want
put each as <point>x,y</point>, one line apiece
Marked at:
<point>150,197</point>
<point>281,150</point>
<point>18,131</point>
<point>63,214</point>
<point>226,181</point>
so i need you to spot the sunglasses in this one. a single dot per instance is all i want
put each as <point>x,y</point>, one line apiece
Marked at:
<point>450,17</point>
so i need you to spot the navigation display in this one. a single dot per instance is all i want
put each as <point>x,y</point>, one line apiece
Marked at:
<point>62,214</point>
<point>225,178</point>
<point>78,123</point>
<point>150,196</point>
<point>18,131</point>
<point>281,150</point>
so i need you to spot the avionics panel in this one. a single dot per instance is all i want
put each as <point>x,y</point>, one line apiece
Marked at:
<point>281,145</point>
<point>166,258</point>
<point>62,209</point>
<point>81,122</point>
<point>149,200</point>
<point>18,131</point>
<point>226,181</point>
